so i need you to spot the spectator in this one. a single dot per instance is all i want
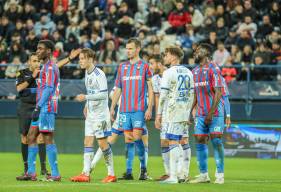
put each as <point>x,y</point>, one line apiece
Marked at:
<point>45,23</point>
<point>46,6</point>
<point>85,28</point>
<point>71,43</point>
<point>6,28</point>
<point>274,14</point>
<point>208,27</point>
<point>262,52</point>
<point>74,14</point>
<point>124,11</point>
<point>265,28</point>
<point>20,29</point>
<point>125,27</point>
<point>31,42</point>
<point>14,11</point>
<point>248,26</point>
<point>249,10</point>
<point>220,13</point>
<point>276,53</point>
<point>212,40</point>
<point>221,29</point>
<point>95,41</point>
<point>237,15</point>
<point>236,54</point>
<point>97,26</point>
<point>17,51</point>
<point>109,53</point>
<point>186,40</point>
<point>3,53</point>
<point>231,39</point>
<point>74,29</point>
<point>58,53</point>
<point>245,39</point>
<point>229,72</point>
<point>247,55</point>
<point>13,68</point>
<point>221,54</point>
<point>60,15</point>
<point>178,19</point>
<point>154,18</point>
<point>112,18</point>
<point>28,13</point>
<point>45,35</point>
<point>166,6</point>
<point>259,73</point>
<point>197,16</point>
<point>62,3</point>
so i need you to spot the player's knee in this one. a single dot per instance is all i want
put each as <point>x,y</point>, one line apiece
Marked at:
<point>112,139</point>
<point>164,143</point>
<point>103,144</point>
<point>216,141</point>
<point>88,141</point>
<point>137,135</point>
<point>40,139</point>
<point>129,137</point>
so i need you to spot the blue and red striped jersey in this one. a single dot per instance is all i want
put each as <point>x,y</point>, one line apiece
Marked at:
<point>48,79</point>
<point>206,79</point>
<point>131,78</point>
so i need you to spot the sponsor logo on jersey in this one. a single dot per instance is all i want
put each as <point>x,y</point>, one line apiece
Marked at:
<point>201,84</point>
<point>137,77</point>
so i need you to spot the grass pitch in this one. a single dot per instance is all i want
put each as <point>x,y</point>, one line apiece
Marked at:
<point>241,175</point>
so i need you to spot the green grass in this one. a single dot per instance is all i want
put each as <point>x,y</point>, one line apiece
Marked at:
<point>241,175</point>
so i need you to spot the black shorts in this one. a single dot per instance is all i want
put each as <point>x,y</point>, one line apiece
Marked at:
<point>24,116</point>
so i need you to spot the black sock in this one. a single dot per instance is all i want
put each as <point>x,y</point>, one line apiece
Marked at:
<point>24,152</point>
<point>42,156</point>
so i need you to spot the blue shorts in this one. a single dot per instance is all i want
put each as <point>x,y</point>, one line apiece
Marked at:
<point>132,120</point>
<point>216,126</point>
<point>46,122</point>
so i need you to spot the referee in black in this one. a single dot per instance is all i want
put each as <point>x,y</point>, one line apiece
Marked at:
<point>26,87</point>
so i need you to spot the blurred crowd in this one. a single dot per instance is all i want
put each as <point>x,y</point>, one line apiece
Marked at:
<point>242,33</point>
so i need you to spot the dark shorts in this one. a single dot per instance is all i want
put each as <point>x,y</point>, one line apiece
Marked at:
<point>24,117</point>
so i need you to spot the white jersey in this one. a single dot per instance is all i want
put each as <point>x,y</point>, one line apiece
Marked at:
<point>177,89</point>
<point>96,82</point>
<point>156,86</point>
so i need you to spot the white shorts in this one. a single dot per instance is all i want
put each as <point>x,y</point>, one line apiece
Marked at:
<point>177,130</point>
<point>163,130</point>
<point>98,129</point>
<point>115,124</point>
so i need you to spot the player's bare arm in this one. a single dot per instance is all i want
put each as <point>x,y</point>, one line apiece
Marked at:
<point>115,99</point>
<point>73,54</point>
<point>85,110</point>
<point>25,84</point>
<point>218,95</point>
<point>148,112</point>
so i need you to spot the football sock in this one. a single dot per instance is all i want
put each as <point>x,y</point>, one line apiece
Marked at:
<point>218,154</point>
<point>98,155</point>
<point>42,156</point>
<point>202,157</point>
<point>174,159</point>
<point>32,152</point>
<point>180,172</point>
<point>141,153</point>
<point>51,150</point>
<point>24,152</point>
<point>88,156</point>
<point>108,157</point>
<point>186,153</point>
<point>130,153</point>
<point>166,159</point>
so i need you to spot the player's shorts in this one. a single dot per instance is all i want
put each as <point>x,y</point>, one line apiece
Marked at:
<point>120,131</point>
<point>163,130</point>
<point>46,122</point>
<point>24,124</point>
<point>98,129</point>
<point>176,130</point>
<point>216,126</point>
<point>132,120</point>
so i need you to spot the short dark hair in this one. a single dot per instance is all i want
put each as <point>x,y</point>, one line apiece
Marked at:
<point>158,58</point>
<point>135,41</point>
<point>208,49</point>
<point>48,44</point>
<point>176,51</point>
<point>88,53</point>
<point>32,54</point>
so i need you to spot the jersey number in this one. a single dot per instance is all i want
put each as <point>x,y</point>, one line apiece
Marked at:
<point>184,82</point>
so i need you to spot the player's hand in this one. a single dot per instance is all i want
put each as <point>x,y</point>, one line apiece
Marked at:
<point>74,53</point>
<point>35,114</point>
<point>193,112</point>
<point>148,114</point>
<point>80,97</point>
<point>112,113</point>
<point>208,119</point>
<point>227,122</point>
<point>158,121</point>
<point>35,73</point>
<point>85,111</point>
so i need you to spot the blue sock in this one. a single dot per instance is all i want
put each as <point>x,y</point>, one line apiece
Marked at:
<point>130,153</point>
<point>202,157</point>
<point>52,156</point>
<point>31,160</point>
<point>141,153</point>
<point>218,154</point>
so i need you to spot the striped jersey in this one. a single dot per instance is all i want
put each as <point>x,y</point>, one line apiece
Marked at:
<point>48,83</point>
<point>206,79</point>
<point>131,79</point>
<point>225,91</point>
<point>96,82</point>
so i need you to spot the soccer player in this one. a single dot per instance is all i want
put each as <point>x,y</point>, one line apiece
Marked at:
<point>157,66</point>
<point>133,82</point>
<point>26,86</point>
<point>209,114</point>
<point>177,92</point>
<point>97,123</point>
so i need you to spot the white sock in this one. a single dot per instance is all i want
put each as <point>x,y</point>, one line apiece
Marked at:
<point>180,172</point>
<point>108,157</point>
<point>186,153</point>
<point>88,156</point>
<point>166,159</point>
<point>96,158</point>
<point>174,159</point>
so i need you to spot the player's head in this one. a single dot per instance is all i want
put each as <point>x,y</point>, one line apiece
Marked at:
<point>155,63</point>
<point>173,55</point>
<point>133,47</point>
<point>45,49</point>
<point>203,53</point>
<point>86,58</point>
<point>33,61</point>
